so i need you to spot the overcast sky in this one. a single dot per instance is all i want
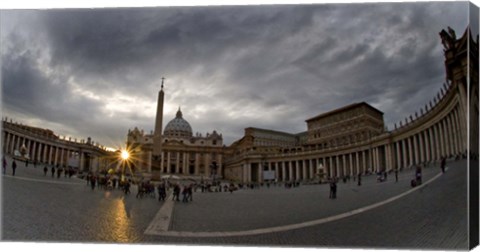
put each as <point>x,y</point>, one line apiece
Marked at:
<point>97,72</point>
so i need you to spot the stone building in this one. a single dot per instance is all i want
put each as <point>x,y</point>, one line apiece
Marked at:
<point>43,146</point>
<point>354,123</point>
<point>176,150</point>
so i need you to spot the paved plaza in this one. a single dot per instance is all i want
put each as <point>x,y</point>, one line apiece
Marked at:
<point>374,215</point>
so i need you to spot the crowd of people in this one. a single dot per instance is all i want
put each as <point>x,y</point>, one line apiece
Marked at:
<point>185,191</point>
<point>55,169</point>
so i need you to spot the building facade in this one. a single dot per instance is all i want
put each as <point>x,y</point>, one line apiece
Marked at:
<point>176,150</point>
<point>43,146</point>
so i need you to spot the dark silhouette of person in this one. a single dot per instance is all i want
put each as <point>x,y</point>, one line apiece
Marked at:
<point>4,165</point>
<point>443,164</point>
<point>176,192</point>
<point>161,192</point>
<point>53,171</point>
<point>396,175</point>
<point>333,189</point>
<point>14,167</point>
<point>126,188</point>
<point>93,180</point>
<point>359,179</point>
<point>45,170</point>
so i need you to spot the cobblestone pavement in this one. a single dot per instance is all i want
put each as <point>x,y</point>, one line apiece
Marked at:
<point>39,208</point>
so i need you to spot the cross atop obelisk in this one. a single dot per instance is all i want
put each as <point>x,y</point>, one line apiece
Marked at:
<point>163,78</point>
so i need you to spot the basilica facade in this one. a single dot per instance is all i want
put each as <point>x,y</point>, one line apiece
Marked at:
<point>175,150</point>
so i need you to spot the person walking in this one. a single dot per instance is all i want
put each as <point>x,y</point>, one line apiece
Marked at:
<point>126,188</point>
<point>359,179</point>
<point>333,189</point>
<point>396,175</point>
<point>185,194</point>
<point>443,164</point>
<point>93,180</point>
<point>14,167</point>
<point>4,165</point>
<point>162,194</point>
<point>190,192</point>
<point>45,170</point>
<point>176,192</point>
<point>53,172</point>
<point>418,175</point>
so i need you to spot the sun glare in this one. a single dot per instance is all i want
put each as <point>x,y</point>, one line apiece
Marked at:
<point>125,154</point>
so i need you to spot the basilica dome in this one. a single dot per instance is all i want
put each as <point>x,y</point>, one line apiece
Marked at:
<point>178,127</point>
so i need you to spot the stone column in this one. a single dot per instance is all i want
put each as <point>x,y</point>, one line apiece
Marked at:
<point>7,143</point>
<point>436,139</point>
<point>220,165</point>
<point>162,160</point>
<point>260,172</point>
<point>452,134</point>
<point>50,154</point>
<point>427,145</point>
<point>197,164</point>
<point>81,161</point>
<point>284,171</point>
<point>364,162</point>
<point>245,172</point>
<point>431,137</point>
<point>421,147</point>
<point>330,166</point>
<point>208,162</point>
<point>62,157</point>
<point>34,150</point>
<point>290,171</point>
<point>168,163</point>
<point>442,140</point>
<point>446,139</point>
<point>44,153</point>
<point>177,163</point>
<point>456,132</point>
<point>249,172</point>
<point>410,152</point>
<point>312,169</point>
<point>304,169</point>
<point>388,165</point>
<point>14,143</point>
<point>56,155</point>
<point>277,177</point>
<point>415,149</point>
<point>461,138</point>
<point>11,143</point>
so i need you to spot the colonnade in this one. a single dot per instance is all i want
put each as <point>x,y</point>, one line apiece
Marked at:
<point>419,144</point>
<point>47,150</point>
<point>191,162</point>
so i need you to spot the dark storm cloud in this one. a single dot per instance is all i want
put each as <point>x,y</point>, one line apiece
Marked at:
<point>228,67</point>
<point>26,88</point>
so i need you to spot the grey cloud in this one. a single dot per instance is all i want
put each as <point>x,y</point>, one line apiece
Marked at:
<point>261,66</point>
